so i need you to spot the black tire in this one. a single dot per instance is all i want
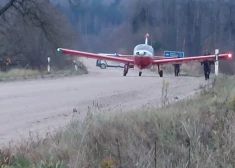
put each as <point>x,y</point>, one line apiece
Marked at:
<point>125,70</point>
<point>140,73</point>
<point>161,73</point>
<point>103,66</point>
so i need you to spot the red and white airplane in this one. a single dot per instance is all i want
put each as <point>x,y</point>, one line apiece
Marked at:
<point>143,57</point>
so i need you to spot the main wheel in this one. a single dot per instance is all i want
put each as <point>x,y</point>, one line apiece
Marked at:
<point>140,73</point>
<point>125,71</point>
<point>161,73</point>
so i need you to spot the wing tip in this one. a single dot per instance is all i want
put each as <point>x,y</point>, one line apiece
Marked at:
<point>230,55</point>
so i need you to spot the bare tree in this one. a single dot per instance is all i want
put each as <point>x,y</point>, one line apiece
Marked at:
<point>32,30</point>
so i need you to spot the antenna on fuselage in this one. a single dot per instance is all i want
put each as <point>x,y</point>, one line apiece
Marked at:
<point>146,38</point>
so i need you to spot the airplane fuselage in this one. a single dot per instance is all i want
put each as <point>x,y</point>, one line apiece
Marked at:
<point>143,56</point>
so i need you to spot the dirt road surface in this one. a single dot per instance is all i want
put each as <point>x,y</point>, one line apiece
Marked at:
<point>40,106</point>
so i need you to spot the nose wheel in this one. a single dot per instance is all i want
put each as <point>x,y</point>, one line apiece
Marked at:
<point>140,73</point>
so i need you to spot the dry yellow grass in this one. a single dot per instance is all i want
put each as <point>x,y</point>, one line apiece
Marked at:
<point>18,74</point>
<point>186,69</point>
<point>14,73</point>
<point>199,132</point>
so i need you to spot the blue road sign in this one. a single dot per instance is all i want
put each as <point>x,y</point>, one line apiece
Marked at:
<point>173,54</point>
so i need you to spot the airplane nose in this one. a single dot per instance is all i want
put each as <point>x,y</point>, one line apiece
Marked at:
<point>140,53</point>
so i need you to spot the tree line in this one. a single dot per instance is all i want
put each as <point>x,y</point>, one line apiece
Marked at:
<point>191,26</point>
<point>31,30</point>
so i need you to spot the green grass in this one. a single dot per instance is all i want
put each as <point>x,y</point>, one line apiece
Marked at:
<point>199,132</point>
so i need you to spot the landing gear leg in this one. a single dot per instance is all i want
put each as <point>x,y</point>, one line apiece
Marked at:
<point>126,68</point>
<point>160,72</point>
<point>140,73</point>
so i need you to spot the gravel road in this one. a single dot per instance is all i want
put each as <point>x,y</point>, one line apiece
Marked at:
<point>39,106</point>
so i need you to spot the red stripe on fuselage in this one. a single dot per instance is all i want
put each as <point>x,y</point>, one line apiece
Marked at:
<point>143,62</point>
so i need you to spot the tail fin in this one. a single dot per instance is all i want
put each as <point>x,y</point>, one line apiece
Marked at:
<point>146,38</point>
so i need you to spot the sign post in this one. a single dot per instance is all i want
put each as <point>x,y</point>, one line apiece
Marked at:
<point>216,62</point>
<point>75,65</point>
<point>48,65</point>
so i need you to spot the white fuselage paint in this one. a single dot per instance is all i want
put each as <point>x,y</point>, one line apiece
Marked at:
<point>143,51</point>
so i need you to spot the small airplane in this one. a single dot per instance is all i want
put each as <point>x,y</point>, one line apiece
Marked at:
<point>143,57</point>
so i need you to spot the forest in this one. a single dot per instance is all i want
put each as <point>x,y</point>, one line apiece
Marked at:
<point>191,26</point>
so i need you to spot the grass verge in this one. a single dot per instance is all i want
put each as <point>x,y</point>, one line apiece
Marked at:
<point>22,74</point>
<point>186,69</point>
<point>199,132</point>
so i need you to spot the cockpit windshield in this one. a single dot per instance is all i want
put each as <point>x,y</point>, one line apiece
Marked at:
<point>144,47</point>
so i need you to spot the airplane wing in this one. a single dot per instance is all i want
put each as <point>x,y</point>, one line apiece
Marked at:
<point>154,57</point>
<point>189,59</point>
<point>162,57</point>
<point>94,55</point>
